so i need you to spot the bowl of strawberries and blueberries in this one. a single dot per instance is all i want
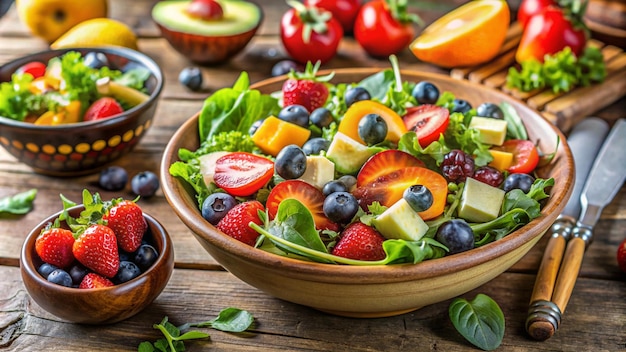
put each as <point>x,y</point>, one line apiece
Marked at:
<point>110,246</point>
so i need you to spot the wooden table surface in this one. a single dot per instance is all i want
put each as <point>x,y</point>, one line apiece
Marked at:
<point>595,319</point>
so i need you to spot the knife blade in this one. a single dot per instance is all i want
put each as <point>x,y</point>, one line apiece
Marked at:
<point>603,182</point>
<point>584,141</point>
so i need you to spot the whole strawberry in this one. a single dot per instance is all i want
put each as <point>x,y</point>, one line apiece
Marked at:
<point>621,255</point>
<point>96,249</point>
<point>93,280</point>
<point>361,242</point>
<point>127,221</point>
<point>235,223</point>
<point>54,246</point>
<point>304,88</point>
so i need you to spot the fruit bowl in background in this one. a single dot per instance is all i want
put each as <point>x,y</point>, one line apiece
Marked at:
<point>208,41</point>
<point>83,147</point>
<point>101,305</point>
<point>376,291</point>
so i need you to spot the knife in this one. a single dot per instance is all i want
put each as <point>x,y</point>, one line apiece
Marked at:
<point>584,141</point>
<point>603,182</point>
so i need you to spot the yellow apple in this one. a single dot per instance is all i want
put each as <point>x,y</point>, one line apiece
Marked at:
<point>49,19</point>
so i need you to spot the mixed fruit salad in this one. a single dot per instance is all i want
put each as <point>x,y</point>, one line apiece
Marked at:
<point>70,89</point>
<point>380,171</point>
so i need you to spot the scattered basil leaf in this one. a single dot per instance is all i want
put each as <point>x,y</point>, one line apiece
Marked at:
<point>479,321</point>
<point>18,204</point>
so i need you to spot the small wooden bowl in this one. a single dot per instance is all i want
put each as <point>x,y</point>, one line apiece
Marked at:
<point>84,147</point>
<point>103,305</point>
<point>376,291</point>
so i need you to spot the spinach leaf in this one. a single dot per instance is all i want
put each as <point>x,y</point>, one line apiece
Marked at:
<point>378,84</point>
<point>18,204</point>
<point>480,321</point>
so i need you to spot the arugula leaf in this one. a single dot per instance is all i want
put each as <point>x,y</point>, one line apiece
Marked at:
<point>18,204</point>
<point>480,321</point>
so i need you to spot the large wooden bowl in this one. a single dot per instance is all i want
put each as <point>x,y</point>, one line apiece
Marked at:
<point>375,291</point>
<point>101,305</point>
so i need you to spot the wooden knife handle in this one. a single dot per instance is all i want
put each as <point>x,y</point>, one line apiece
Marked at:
<point>569,272</point>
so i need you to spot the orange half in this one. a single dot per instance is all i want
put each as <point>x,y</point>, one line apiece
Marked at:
<point>468,35</point>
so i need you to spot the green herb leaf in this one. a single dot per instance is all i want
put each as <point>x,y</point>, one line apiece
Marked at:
<point>480,321</point>
<point>14,96</point>
<point>229,320</point>
<point>515,128</point>
<point>18,204</point>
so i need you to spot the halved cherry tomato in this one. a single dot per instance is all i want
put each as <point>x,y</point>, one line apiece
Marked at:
<point>35,69</point>
<point>525,155</point>
<point>242,174</point>
<point>428,122</point>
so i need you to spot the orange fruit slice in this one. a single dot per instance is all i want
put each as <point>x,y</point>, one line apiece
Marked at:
<point>468,35</point>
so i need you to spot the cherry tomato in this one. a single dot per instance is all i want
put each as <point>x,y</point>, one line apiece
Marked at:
<point>35,69</point>
<point>310,34</point>
<point>379,33</point>
<point>548,33</point>
<point>344,11</point>
<point>525,155</point>
<point>428,122</point>
<point>529,8</point>
<point>242,174</point>
<point>621,256</point>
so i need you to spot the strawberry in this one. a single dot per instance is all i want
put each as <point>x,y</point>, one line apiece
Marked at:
<point>54,246</point>
<point>96,248</point>
<point>621,256</point>
<point>126,220</point>
<point>235,223</point>
<point>307,194</point>
<point>304,88</point>
<point>361,242</point>
<point>102,108</point>
<point>93,280</point>
<point>383,163</point>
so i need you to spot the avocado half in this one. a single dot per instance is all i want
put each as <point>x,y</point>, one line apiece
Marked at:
<point>208,42</point>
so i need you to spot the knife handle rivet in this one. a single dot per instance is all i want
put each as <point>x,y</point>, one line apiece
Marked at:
<point>583,232</point>
<point>563,226</point>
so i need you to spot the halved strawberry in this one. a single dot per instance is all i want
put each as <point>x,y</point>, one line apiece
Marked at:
<point>389,188</point>
<point>361,242</point>
<point>307,194</point>
<point>103,108</point>
<point>383,163</point>
<point>242,174</point>
<point>428,122</point>
<point>93,280</point>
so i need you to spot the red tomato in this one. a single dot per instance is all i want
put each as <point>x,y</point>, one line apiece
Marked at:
<point>304,39</point>
<point>242,174</point>
<point>529,8</point>
<point>35,69</point>
<point>548,33</point>
<point>525,155</point>
<point>379,32</point>
<point>621,256</point>
<point>428,122</point>
<point>344,11</point>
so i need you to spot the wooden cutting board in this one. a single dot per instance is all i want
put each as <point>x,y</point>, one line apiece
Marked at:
<point>562,109</point>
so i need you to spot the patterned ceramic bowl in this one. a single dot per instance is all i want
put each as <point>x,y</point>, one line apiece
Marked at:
<point>84,147</point>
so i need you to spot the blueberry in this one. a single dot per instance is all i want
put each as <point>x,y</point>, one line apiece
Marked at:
<point>460,105</point>
<point>60,277</point>
<point>355,94</point>
<point>372,129</point>
<point>127,271</point>
<point>334,186</point>
<point>348,180</point>
<point>113,178</point>
<point>340,207</point>
<point>455,234</point>
<point>255,126</point>
<point>425,93</point>
<point>145,184</point>
<point>419,197</point>
<point>321,117</point>
<point>77,273</point>
<point>283,67</point>
<point>490,110</point>
<point>191,77</point>
<point>290,162</point>
<point>145,256</point>
<point>314,146</point>
<point>518,181</point>
<point>215,206</point>
<point>296,114</point>
<point>45,269</point>
<point>95,60</point>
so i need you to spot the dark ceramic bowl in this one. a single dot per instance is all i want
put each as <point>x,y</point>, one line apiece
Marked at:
<point>83,147</point>
<point>102,305</point>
